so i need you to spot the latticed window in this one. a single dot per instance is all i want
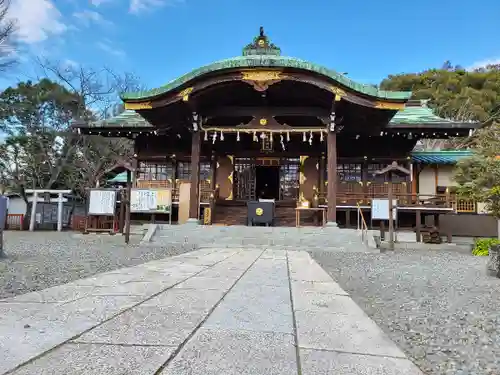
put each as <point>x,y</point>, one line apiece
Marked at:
<point>183,171</point>
<point>349,172</point>
<point>205,170</point>
<point>289,178</point>
<point>155,171</point>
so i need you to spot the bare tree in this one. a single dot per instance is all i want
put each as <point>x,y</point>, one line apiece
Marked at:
<point>98,98</point>
<point>7,37</point>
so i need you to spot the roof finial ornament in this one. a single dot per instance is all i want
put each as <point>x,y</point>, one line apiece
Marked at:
<point>261,45</point>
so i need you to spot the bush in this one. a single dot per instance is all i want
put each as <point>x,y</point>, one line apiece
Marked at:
<point>482,246</point>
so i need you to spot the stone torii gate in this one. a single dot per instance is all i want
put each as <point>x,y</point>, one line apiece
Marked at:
<point>60,200</point>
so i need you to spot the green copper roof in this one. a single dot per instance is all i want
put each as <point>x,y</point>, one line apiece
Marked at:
<point>261,53</point>
<point>126,119</point>
<point>268,61</point>
<point>440,157</point>
<point>119,178</point>
<point>418,115</point>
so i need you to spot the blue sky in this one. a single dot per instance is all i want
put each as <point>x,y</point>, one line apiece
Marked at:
<point>161,39</point>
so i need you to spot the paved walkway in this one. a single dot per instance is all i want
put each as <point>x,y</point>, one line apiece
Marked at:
<point>209,312</point>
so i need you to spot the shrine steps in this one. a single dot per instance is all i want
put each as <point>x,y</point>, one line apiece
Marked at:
<point>193,236</point>
<point>232,214</point>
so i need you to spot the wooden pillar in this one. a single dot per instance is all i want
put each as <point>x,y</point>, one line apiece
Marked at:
<point>321,180</point>
<point>194,206</point>
<point>391,211</point>
<point>127,207</point>
<point>332,177</point>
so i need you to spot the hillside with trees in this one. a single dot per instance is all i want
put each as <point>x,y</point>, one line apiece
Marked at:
<point>463,95</point>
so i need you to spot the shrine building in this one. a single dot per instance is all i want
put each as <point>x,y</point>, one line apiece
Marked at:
<point>263,125</point>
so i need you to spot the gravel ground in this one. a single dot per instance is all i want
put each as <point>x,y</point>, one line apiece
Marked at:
<point>440,308</point>
<point>43,259</point>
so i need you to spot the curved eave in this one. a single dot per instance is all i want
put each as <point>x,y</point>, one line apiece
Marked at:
<point>270,62</point>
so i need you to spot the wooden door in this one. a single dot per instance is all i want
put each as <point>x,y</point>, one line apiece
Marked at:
<point>245,183</point>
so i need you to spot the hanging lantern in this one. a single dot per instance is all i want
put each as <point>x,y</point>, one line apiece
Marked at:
<point>304,137</point>
<point>214,137</point>
<point>321,136</point>
<point>288,136</point>
<point>206,136</point>
<point>255,139</point>
<point>282,143</point>
<point>262,135</point>
<point>237,136</point>
<point>271,137</point>
<point>221,135</point>
<point>311,137</point>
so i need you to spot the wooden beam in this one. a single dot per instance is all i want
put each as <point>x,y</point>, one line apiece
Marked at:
<point>263,111</point>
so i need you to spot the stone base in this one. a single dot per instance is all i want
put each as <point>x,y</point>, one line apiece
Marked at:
<point>331,224</point>
<point>192,222</point>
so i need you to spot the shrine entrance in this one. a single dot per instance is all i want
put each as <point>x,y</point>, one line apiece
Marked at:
<point>267,182</point>
<point>267,178</point>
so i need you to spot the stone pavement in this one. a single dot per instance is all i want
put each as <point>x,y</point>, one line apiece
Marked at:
<point>209,312</point>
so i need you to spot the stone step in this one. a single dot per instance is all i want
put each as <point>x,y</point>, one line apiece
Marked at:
<point>311,237</point>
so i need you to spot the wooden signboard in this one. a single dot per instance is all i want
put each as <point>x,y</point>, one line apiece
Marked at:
<point>380,209</point>
<point>101,207</point>
<point>151,200</point>
<point>102,202</point>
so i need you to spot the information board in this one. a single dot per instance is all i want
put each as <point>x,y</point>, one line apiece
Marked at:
<point>102,202</point>
<point>151,200</point>
<point>380,209</point>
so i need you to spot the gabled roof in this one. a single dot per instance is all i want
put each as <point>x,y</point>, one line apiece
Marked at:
<point>416,112</point>
<point>267,61</point>
<point>440,157</point>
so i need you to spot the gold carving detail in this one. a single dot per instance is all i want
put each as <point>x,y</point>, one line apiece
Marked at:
<point>339,93</point>
<point>261,79</point>
<point>302,178</point>
<point>138,106</point>
<point>302,159</point>
<point>389,105</point>
<point>184,94</point>
<point>259,211</point>
<point>263,121</point>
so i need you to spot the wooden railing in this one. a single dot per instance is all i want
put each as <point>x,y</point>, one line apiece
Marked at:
<point>362,225</point>
<point>406,199</point>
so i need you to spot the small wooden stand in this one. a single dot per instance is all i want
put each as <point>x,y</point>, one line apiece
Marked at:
<point>298,211</point>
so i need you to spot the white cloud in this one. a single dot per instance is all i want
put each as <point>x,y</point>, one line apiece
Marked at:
<point>107,46</point>
<point>137,6</point>
<point>99,2</point>
<point>37,20</point>
<point>88,17</point>
<point>484,63</point>
<point>69,64</point>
